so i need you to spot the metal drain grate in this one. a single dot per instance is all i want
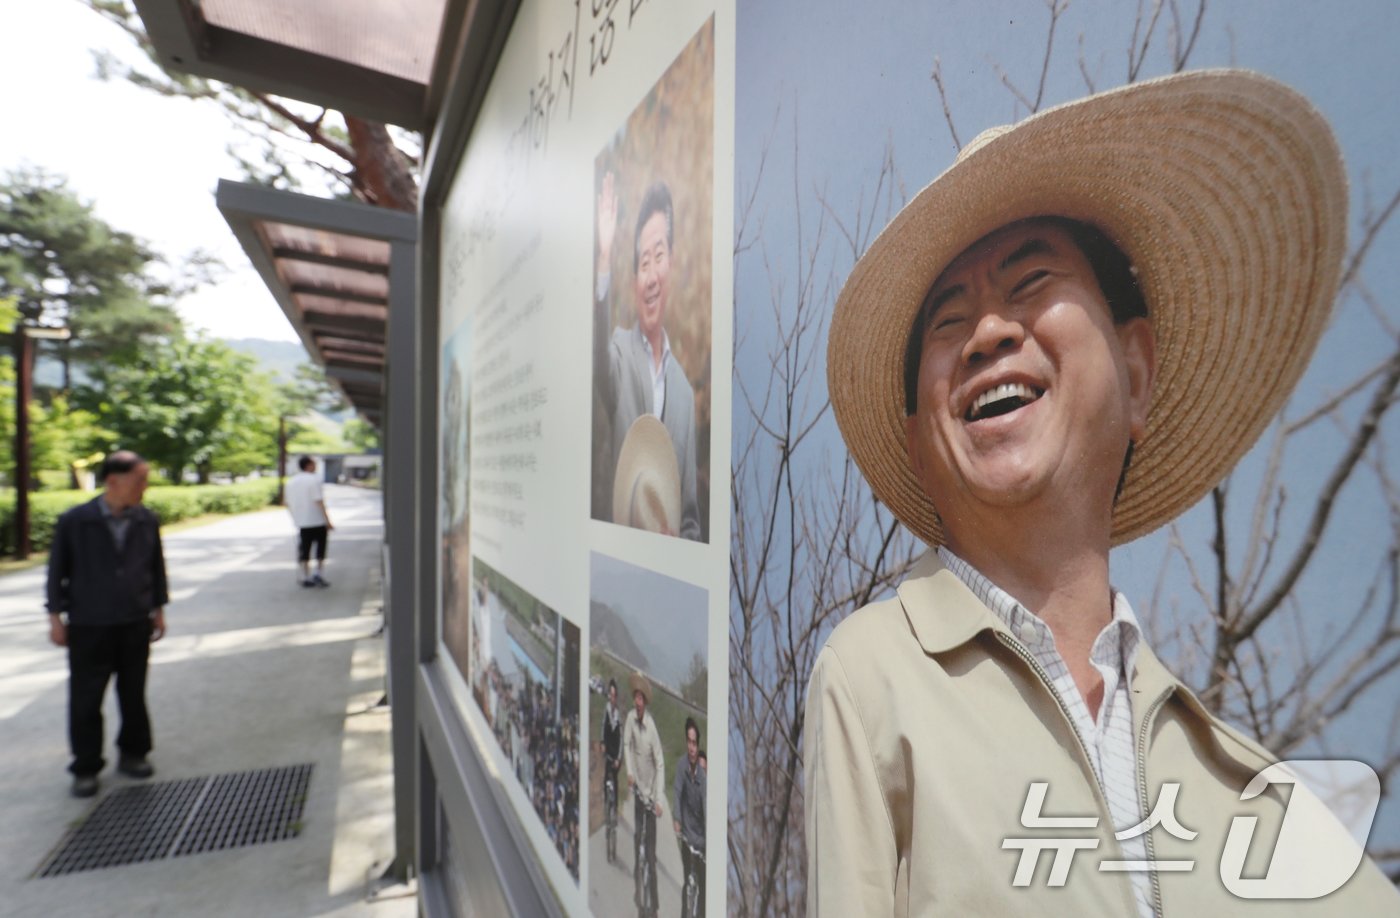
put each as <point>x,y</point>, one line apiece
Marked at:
<point>150,822</point>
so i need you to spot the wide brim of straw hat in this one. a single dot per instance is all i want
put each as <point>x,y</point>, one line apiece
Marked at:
<point>647,483</point>
<point>639,683</point>
<point>1226,191</point>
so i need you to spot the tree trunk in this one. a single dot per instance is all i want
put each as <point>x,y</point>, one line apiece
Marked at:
<point>383,174</point>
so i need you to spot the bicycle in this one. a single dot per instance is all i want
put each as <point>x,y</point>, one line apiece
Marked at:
<point>610,815</point>
<point>694,876</point>
<point>645,866</point>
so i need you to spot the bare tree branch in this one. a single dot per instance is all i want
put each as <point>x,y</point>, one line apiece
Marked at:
<point>1365,431</point>
<point>1181,50</point>
<point>937,77</point>
<point>1370,231</point>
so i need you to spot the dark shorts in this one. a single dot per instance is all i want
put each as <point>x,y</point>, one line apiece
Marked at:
<point>312,535</point>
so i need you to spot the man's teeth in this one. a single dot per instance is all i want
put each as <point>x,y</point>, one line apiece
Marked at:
<point>1019,394</point>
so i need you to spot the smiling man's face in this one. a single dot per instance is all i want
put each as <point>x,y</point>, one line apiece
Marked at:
<point>1026,387</point>
<point>653,279</point>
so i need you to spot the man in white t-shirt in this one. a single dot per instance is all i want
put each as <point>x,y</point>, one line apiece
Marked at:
<point>307,504</point>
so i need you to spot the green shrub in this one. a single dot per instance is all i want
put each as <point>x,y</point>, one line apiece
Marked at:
<point>237,498</point>
<point>170,503</point>
<point>173,504</point>
<point>50,480</point>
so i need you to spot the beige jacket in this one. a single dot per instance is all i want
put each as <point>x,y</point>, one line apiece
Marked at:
<point>643,756</point>
<point>926,725</point>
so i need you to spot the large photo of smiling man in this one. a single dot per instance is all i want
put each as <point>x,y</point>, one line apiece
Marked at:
<point>1041,357</point>
<point>651,306</point>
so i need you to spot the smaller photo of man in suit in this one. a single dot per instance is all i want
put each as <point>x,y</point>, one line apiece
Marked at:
<point>652,306</point>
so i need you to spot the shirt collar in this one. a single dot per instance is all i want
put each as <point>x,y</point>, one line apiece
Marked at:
<point>1116,644</point>
<point>944,612</point>
<point>646,345</point>
<point>108,512</point>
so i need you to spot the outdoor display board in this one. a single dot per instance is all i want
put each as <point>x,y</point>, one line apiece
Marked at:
<point>699,179</point>
<point>583,533</point>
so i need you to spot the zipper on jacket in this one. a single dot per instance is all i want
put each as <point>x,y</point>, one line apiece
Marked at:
<point>1142,790</point>
<point>1105,812</point>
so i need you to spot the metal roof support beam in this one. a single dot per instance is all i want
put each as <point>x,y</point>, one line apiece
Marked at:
<point>346,217</point>
<point>346,326</point>
<point>331,293</point>
<point>330,261</point>
<point>356,375</point>
<point>245,207</point>
<point>185,41</point>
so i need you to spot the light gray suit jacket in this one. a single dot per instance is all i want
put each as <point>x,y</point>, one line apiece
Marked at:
<point>626,388</point>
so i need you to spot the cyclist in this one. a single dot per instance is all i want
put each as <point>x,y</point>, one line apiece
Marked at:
<point>612,761</point>
<point>646,776</point>
<point>689,815</point>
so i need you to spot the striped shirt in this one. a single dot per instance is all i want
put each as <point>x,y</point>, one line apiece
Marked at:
<point>1107,738</point>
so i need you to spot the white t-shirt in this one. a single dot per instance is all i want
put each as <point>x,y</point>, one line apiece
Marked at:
<point>304,498</point>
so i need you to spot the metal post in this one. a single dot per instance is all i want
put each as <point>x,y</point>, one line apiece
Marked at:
<point>281,457</point>
<point>24,372</point>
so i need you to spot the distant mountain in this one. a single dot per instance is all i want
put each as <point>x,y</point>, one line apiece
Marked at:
<point>279,358</point>
<point>667,619</point>
<point>612,634</point>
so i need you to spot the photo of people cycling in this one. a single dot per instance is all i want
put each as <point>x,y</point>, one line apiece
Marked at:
<point>648,685</point>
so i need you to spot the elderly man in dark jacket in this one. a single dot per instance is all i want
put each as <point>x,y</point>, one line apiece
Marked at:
<point>106,593</point>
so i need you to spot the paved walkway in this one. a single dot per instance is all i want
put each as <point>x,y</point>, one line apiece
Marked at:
<point>255,673</point>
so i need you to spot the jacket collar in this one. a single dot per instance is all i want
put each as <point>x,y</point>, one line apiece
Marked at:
<point>639,340</point>
<point>944,614</point>
<point>942,611</point>
<point>91,510</point>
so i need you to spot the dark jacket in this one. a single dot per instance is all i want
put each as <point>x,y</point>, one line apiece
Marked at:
<point>612,739</point>
<point>93,581</point>
<point>690,803</point>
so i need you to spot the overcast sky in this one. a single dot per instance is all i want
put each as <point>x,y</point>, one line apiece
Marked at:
<point>148,164</point>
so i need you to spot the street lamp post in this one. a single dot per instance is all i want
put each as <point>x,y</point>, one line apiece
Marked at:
<point>24,393</point>
<point>281,458</point>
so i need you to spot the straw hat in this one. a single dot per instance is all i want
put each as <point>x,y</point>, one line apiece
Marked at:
<point>1226,191</point>
<point>647,484</point>
<point>639,683</point>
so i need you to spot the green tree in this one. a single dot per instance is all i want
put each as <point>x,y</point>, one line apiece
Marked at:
<point>62,264</point>
<point>300,402</point>
<point>9,317</point>
<point>310,391</point>
<point>310,439</point>
<point>61,435</point>
<point>695,687</point>
<point>181,405</point>
<point>360,435</point>
<point>254,445</point>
